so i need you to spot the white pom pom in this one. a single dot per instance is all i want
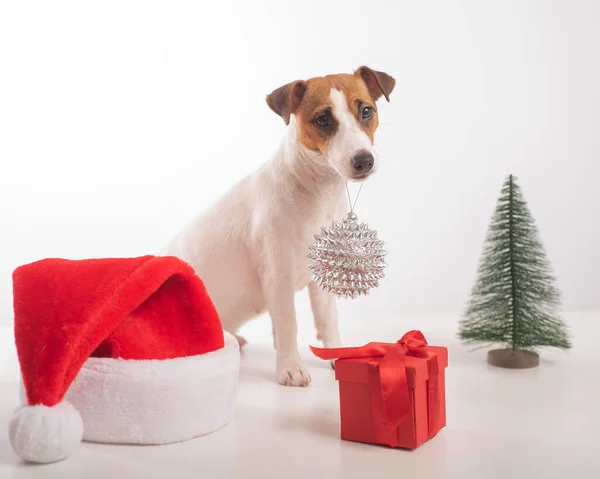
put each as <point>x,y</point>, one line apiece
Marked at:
<point>46,434</point>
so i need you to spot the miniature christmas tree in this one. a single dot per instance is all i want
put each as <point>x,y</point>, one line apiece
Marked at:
<point>514,300</point>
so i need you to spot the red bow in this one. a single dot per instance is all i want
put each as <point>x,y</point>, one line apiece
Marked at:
<point>392,369</point>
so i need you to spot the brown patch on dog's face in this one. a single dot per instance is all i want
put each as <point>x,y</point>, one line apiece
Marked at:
<point>316,121</point>
<point>335,114</point>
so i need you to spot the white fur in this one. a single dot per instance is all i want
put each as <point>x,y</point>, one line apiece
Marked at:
<point>45,434</point>
<point>146,402</point>
<point>349,137</point>
<point>251,247</point>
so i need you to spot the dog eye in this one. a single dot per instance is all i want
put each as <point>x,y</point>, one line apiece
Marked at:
<point>322,120</point>
<point>367,112</point>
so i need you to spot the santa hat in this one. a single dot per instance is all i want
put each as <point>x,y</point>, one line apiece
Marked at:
<point>127,351</point>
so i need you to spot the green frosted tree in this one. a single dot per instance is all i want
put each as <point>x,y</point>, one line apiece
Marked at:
<point>514,300</point>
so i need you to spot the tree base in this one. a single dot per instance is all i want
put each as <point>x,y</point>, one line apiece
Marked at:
<point>517,359</point>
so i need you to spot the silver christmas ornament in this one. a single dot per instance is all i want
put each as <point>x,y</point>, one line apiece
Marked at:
<point>347,258</point>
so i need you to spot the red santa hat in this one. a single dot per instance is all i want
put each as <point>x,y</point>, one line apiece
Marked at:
<point>127,351</point>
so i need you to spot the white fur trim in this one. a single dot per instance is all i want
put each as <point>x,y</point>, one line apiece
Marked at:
<point>157,401</point>
<point>45,434</point>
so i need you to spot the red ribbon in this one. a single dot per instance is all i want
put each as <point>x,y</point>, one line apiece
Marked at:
<point>392,369</point>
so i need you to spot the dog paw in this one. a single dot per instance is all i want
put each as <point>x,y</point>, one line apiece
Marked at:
<point>241,340</point>
<point>292,373</point>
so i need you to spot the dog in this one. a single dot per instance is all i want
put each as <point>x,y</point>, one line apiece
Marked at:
<point>250,248</point>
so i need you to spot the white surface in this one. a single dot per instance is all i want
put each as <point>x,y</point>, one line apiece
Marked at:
<point>120,120</point>
<point>539,423</point>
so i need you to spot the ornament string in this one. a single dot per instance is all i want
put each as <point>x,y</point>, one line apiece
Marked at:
<point>352,206</point>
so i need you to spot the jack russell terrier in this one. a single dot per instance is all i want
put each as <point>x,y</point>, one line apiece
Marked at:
<point>251,247</point>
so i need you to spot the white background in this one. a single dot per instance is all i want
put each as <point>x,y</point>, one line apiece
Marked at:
<point>120,120</point>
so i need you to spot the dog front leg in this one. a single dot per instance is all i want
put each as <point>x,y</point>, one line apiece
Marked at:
<point>325,314</point>
<point>279,294</point>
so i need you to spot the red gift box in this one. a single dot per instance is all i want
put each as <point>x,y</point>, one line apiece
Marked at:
<point>391,394</point>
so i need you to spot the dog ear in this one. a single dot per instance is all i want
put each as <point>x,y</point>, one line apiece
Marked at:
<point>286,99</point>
<point>378,83</point>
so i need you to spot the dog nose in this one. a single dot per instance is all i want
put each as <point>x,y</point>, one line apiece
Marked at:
<point>363,161</point>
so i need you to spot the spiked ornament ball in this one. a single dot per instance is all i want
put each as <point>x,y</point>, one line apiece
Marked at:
<point>347,258</point>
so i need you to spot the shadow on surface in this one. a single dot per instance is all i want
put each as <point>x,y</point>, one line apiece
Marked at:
<point>323,422</point>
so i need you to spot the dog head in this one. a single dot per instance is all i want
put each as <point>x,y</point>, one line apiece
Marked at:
<point>336,115</point>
